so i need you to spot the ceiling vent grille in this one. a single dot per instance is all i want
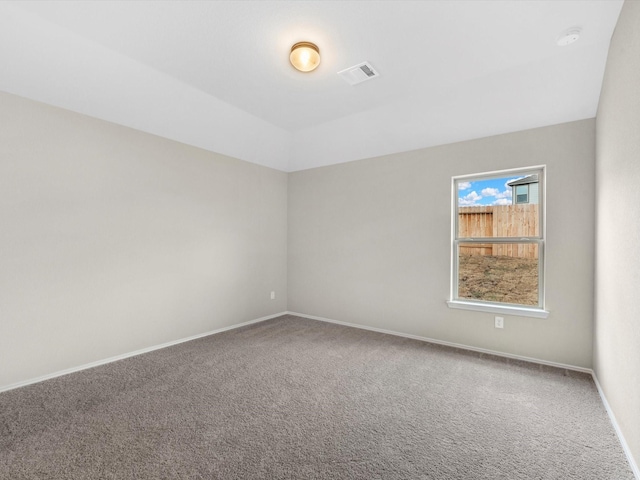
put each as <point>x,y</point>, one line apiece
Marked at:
<point>358,73</point>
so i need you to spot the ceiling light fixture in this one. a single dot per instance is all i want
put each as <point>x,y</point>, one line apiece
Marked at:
<point>305,56</point>
<point>568,37</point>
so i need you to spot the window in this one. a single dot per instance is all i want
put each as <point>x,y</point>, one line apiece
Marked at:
<point>522,194</point>
<point>498,242</point>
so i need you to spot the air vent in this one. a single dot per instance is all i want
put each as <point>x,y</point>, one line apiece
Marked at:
<point>358,73</point>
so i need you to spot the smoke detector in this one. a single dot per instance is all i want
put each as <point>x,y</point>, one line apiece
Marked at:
<point>358,73</point>
<point>568,37</point>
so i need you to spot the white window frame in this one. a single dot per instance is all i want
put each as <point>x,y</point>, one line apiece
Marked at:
<point>539,310</point>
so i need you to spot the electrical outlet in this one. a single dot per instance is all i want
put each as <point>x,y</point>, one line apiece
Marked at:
<point>499,322</point>
<point>273,295</point>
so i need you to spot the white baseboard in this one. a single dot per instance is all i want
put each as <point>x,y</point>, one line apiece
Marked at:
<point>448,344</point>
<point>625,446</point>
<point>612,418</point>
<point>133,354</point>
<point>616,427</point>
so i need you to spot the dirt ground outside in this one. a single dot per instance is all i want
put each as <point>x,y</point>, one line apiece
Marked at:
<point>498,279</point>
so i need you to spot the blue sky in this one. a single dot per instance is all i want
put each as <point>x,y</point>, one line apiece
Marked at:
<point>485,192</point>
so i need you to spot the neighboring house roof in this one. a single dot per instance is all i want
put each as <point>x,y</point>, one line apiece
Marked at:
<point>524,180</point>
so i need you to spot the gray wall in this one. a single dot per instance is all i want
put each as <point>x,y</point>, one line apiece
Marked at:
<point>113,240</point>
<point>369,242</point>
<point>617,316</point>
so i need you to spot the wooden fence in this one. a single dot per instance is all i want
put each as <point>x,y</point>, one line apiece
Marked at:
<point>499,221</point>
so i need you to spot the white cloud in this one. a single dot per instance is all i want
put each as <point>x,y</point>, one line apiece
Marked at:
<point>494,192</point>
<point>469,199</point>
<point>502,201</point>
<point>490,192</point>
<point>464,185</point>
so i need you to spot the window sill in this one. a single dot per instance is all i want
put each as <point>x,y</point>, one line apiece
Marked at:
<point>504,309</point>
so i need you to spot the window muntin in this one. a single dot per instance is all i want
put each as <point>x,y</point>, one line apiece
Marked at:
<point>498,244</point>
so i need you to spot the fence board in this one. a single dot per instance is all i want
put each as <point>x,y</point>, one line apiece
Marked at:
<point>499,221</point>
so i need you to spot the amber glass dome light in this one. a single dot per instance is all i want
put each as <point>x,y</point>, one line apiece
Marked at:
<point>305,56</point>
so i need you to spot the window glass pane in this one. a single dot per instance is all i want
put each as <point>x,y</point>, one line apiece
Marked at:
<point>522,194</point>
<point>499,221</point>
<point>486,207</point>
<point>499,272</point>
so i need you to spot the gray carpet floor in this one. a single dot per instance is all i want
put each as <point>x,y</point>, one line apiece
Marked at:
<point>292,398</point>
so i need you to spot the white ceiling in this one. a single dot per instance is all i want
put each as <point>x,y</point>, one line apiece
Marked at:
<point>215,74</point>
